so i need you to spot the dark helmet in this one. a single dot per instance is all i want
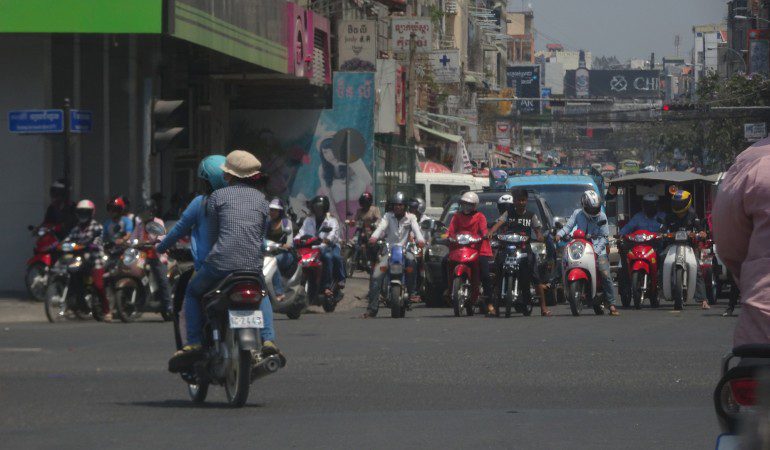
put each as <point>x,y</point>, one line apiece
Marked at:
<point>413,205</point>
<point>398,199</point>
<point>116,204</point>
<point>319,200</point>
<point>59,188</point>
<point>365,200</point>
<point>149,212</point>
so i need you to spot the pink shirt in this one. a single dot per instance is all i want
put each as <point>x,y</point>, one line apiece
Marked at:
<point>741,218</point>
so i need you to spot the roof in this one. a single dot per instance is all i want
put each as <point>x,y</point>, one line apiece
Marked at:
<point>549,179</point>
<point>443,135</point>
<point>669,177</point>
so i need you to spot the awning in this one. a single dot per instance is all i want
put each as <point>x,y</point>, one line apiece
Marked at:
<point>447,136</point>
<point>470,79</point>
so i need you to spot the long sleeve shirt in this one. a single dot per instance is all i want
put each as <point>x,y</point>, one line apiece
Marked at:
<point>398,229</point>
<point>193,222</point>
<point>590,225</point>
<point>311,228</point>
<point>474,224</point>
<point>741,219</point>
<point>640,221</point>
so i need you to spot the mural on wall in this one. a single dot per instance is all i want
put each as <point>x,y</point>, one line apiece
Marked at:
<point>311,152</point>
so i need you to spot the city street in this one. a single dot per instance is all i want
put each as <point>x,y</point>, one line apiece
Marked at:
<point>641,380</point>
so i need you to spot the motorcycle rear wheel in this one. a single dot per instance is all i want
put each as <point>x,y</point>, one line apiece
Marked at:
<point>636,288</point>
<point>574,294</point>
<point>35,280</point>
<point>396,302</point>
<point>238,377</point>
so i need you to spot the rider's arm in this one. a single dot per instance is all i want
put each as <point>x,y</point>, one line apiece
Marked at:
<point>601,238</point>
<point>537,227</point>
<point>416,230</point>
<point>184,226</point>
<point>569,225</point>
<point>500,221</point>
<point>334,235</point>
<point>381,227</point>
<point>213,218</point>
<point>307,229</point>
<point>630,227</point>
<point>289,232</point>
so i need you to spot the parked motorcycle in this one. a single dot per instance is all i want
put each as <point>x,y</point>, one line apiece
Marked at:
<point>70,292</point>
<point>464,260</point>
<point>355,250</point>
<point>742,398</point>
<point>642,267</point>
<point>581,276</point>
<point>680,269</point>
<point>231,341</point>
<point>309,250</point>
<point>295,300</point>
<point>38,266</point>
<point>512,250</point>
<point>394,291</point>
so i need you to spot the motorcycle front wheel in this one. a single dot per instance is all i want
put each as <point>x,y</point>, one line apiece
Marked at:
<point>125,300</point>
<point>678,288</point>
<point>396,302</point>
<point>636,288</point>
<point>351,259</point>
<point>457,303</point>
<point>36,280</point>
<point>55,304</point>
<point>509,294</point>
<point>238,375</point>
<point>574,294</point>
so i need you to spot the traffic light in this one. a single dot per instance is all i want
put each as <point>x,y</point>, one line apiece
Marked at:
<point>680,107</point>
<point>169,120</point>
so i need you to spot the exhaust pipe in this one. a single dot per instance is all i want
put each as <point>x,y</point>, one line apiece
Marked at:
<point>267,366</point>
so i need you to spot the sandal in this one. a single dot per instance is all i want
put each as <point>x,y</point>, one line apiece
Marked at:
<point>546,313</point>
<point>705,305</point>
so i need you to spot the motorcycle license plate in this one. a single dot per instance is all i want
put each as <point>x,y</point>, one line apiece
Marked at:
<point>246,319</point>
<point>728,442</point>
<point>510,261</point>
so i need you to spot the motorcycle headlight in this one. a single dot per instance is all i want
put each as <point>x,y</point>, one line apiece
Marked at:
<point>42,232</point>
<point>464,239</point>
<point>680,236</point>
<point>396,269</point>
<point>67,247</point>
<point>75,264</point>
<point>439,251</point>
<point>130,256</point>
<point>538,248</point>
<point>576,250</point>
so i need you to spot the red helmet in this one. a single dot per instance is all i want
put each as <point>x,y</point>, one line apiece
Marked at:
<point>116,204</point>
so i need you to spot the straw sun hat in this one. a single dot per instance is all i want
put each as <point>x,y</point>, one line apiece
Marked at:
<point>241,164</point>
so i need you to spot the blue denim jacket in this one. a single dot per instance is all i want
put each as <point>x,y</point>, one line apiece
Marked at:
<point>590,225</point>
<point>640,221</point>
<point>192,222</point>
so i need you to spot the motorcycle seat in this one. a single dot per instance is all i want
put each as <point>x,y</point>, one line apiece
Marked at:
<point>233,278</point>
<point>752,351</point>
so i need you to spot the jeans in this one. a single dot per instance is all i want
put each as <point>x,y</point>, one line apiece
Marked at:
<point>160,273</point>
<point>603,265</point>
<point>285,261</point>
<point>376,280</point>
<point>331,257</point>
<point>200,283</point>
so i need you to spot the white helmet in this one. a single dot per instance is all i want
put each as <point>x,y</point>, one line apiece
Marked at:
<point>591,204</point>
<point>84,210</point>
<point>505,199</point>
<point>470,197</point>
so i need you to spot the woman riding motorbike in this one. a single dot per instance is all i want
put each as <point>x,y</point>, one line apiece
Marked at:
<point>279,230</point>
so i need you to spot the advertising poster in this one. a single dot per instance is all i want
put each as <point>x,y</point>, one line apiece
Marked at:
<point>312,152</point>
<point>357,45</point>
<point>401,33</point>
<point>525,79</point>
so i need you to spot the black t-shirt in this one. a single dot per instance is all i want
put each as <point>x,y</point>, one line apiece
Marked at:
<point>674,222</point>
<point>520,223</point>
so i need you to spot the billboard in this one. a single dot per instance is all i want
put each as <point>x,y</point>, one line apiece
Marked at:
<point>759,51</point>
<point>401,33</point>
<point>525,79</point>
<point>357,45</point>
<point>93,16</point>
<point>618,84</point>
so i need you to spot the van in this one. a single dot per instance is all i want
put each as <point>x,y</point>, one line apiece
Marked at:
<point>438,188</point>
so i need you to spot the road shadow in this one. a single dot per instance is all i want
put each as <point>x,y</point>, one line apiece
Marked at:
<point>185,404</point>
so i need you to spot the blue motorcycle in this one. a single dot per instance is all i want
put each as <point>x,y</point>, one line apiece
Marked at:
<point>394,291</point>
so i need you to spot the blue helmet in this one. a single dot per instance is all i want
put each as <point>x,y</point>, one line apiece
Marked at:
<point>210,169</point>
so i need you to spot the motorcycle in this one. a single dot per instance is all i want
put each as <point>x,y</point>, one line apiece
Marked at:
<point>309,250</point>
<point>680,269</point>
<point>70,290</point>
<point>513,250</point>
<point>131,283</point>
<point>742,398</point>
<point>294,288</point>
<point>394,292</point>
<point>464,259</point>
<point>581,276</point>
<point>232,345</point>
<point>355,251</point>
<point>38,266</point>
<point>642,267</point>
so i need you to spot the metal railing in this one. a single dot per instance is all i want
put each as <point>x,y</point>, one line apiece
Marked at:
<point>394,170</point>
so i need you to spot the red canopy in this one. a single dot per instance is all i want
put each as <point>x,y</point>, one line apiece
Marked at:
<point>433,167</point>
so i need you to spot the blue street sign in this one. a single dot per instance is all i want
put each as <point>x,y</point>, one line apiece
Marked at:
<point>81,121</point>
<point>35,121</point>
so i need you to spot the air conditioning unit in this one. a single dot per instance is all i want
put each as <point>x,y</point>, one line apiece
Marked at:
<point>309,47</point>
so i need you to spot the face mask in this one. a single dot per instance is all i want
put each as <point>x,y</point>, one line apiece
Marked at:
<point>467,209</point>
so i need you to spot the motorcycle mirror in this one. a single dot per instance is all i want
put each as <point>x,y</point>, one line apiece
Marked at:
<point>428,224</point>
<point>155,228</point>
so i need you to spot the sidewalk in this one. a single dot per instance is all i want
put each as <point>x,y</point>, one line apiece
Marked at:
<point>20,309</point>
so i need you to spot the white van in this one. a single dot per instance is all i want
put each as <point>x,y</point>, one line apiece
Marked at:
<point>437,188</point>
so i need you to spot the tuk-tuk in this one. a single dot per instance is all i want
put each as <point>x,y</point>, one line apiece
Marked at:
<point>624,199</point>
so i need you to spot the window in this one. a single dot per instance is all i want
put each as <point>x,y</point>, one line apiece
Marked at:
<point>419,191</point>
<point>440,193</point>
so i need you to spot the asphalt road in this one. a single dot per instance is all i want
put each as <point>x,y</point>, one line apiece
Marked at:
<point>641,380</point>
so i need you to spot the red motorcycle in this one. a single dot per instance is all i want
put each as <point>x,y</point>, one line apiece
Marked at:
<point>464,263</point>
<point>643,266</point>
<point>309,251</point>
<point>36,277</point>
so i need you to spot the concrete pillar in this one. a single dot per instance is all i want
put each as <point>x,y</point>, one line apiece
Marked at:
<point>220,117</point>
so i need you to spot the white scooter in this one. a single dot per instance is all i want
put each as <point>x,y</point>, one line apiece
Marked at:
<point>680,270</point>
<point>295,300</point>
<point>580,274</point>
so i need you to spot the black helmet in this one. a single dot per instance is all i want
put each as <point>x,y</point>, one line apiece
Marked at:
<point>413,205</point>
<point>398,199</point>
<point>365,200</point>
<point>319,200</point>
<point>59,188</point>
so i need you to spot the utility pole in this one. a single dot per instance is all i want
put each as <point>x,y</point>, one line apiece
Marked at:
<point>67,143</point>
<point>411,86</point>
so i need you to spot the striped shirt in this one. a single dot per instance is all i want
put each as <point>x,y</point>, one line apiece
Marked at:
<point>236,225</point>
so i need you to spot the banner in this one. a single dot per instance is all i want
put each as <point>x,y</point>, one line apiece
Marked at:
<point>462,163</point>
<point>617,84</point>
<point>401,33</point>
<point>357,45</point>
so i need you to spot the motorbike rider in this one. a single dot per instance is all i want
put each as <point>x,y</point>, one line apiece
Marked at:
<point>369,215</point>
<point>194,222</point>
<point>59,213</point>
<point>236,217</point>
<point>648,219</point>
<point>331,257</point>
<point>504,203</point>
<point>117,227</point>
<point>683,216</point>
<point>469,221</point>
<point>158,262</point>
<point>279,230</point>
<point>398,224</point>
<point>88,232</point>
<point>588,219</point>
<point>520,220</point>
<point>417,207</point>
